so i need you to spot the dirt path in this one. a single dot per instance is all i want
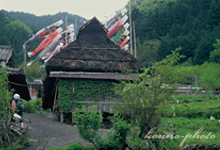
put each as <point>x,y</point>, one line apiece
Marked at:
<point>51,133</point>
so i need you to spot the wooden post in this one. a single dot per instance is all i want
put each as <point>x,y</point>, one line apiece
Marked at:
<point>61,117</point>
<point>131,50</point>
<point>55,97</point>
<point>73,103</point>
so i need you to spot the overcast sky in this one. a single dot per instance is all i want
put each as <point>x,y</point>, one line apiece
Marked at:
<point>84,8</point>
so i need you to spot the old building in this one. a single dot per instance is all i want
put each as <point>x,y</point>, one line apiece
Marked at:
<point>16,76</point>
<point>85,69</point>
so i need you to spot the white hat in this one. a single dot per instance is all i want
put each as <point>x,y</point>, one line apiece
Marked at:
<point>16,96</point>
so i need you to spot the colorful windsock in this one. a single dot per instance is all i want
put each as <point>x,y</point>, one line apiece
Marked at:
<point>43,32</point>
<point>126,25</point>
<point>122,38</point>
<point>46,50</point>
<point>117,18</point>
<point>46,41</point>
<point>125,41</point>
<point>116,26</point>
<point>125,47</point>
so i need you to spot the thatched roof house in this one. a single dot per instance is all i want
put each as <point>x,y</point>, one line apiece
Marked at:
<point>91,56</point>
<point>16,76</point>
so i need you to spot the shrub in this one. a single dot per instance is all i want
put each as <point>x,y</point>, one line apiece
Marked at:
<point>75,146</point>
<point>29,108</point>
<point>89,121</point>
<point>116,138</point>
<point>37,102</point>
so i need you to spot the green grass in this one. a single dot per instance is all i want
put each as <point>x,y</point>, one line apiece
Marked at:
<point>191,98</point>
<point>187,126</point>
<point>199,112</point>
<point>196,109</point>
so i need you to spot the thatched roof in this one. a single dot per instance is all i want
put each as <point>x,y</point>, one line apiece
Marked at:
<point>93,52</point>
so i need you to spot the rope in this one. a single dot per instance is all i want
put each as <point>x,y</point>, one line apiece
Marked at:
<point>17,84</point>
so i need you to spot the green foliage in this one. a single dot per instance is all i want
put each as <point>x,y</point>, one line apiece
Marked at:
<point>29,108</point>
<point>148,50</point>
<point>75,146</point>
<point>18,145</point>
<point>190,126</point>
<point>209,75</point>
<point>14,33</point>
<point>34,71</point>
<point>85,90</point>
<point>215,54</point>
<point>116,138</point>
<point>191,98</point>
<point>147,64</point>
<point>36,23</point>
<point>5,110</point>
<point>175,23</point>
<point>33,106</point>
<point>143,102</point>
<point>196,109</point>
<point>89,122</point>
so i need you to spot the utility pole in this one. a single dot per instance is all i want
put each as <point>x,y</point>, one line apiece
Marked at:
<point>75,26</point>
<point>106,21</point>
<point>131,50</point>
<point>135,48</point>
<point>66,28</point>
<point>24,60</point>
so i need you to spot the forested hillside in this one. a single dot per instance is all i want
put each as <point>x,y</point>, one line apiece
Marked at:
<point>14,33</point>
<point>39,22</point>
<point>163,25</point>
<point>18,27</point>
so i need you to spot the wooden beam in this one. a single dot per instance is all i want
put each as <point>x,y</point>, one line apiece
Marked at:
<point>55,97</point>
<point>94,75</point>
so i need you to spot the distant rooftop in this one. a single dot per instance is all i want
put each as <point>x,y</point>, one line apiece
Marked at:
<point>5,53</point>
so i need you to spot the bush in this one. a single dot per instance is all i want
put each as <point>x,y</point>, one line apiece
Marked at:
<point>75,146</point>
<point>116,138</point>
<point>33,106</point>
<point>37,102</point>
<point>29,108</point>
<point>89,121</point>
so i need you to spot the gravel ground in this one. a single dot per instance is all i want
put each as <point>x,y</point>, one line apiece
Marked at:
<point>49,133</point>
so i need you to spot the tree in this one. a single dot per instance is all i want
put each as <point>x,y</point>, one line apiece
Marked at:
<point>214,14</point>
<point>34,71</point>
<point>5,110</point>
<point>144,102</point>
<point>209,75</point>
<point>147,52</point>
<point>215,54</point>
